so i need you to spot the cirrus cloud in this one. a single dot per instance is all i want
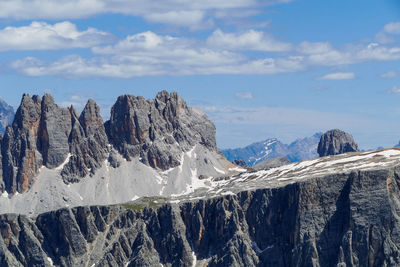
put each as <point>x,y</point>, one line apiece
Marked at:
<point>338,76</point>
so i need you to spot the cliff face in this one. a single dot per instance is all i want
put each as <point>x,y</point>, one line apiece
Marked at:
<point>335,142</point>
<point>44,134</point>
<point>156,131</point>
<point>323,221</point>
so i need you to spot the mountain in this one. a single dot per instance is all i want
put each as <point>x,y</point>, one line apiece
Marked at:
<point>272,163</point>
<point>6,115</point>
<point>335,142</point>
<point>53,157</point>
<point>149,188</point>
<point>329,211</point>
<point>301,149</point>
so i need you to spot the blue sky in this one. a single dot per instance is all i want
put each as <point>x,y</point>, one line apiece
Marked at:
<point>259,69</point>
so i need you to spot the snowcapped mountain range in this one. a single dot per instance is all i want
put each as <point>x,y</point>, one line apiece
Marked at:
<point>301,149</point>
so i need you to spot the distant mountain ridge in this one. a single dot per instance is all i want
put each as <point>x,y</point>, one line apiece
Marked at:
<point>301,149</point>
<point>6,115</point>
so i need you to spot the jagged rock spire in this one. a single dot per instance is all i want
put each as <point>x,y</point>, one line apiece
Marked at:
<point>158,131</point>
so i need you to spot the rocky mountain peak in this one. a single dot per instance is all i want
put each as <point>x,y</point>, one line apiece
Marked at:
<point>55,130</point>
<point>90,118</point>
<point>28,113</point>
<point>159,130</point>
<point>336,142</point>
<point>156,132</point>
<point>44,134</point>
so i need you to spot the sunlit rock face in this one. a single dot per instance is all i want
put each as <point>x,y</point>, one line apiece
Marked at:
<point>336,142</point>
<point>158,130</point>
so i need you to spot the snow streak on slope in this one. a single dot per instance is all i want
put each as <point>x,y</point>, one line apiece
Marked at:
<point>294,172</point>
<point>128,182</point>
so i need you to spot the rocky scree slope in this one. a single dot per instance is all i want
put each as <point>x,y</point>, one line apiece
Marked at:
<point>335,142</point>
<point>287,216</point>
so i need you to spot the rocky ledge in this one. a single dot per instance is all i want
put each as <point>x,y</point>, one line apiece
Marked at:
<point>349,217</point>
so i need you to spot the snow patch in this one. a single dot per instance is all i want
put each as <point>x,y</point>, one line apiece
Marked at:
<point>237,169</point>
<point>218,170</point>
<point>194,259</point>
<point>258,250</point>
<point>159,179</point>
<point>5,194</point>
<point>134,198</point>
<point>59,168</point>
<point>50,261</point>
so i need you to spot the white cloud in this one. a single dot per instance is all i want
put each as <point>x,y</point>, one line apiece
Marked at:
<point>392,28</point>
<point>312,48</point>
<point>43,36</point>
<point>390,74</point>
<point>338,76</point>
<point>244,95</point>
<point>394,90</point>
<point>147,54</point>
<point>173,12</point>
<point>250,40</point>
<point>192,18</point>
<point>329,56</point>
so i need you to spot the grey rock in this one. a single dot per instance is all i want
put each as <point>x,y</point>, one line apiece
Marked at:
<point>158,130</point>
<point>21,159</point>
<point>88,143</point>
<point>331,220</point>
<point>55,128</point>
<point>44,134</point>
<point>336,142</point>
<point>240,163</point>
<point>272,163</point>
